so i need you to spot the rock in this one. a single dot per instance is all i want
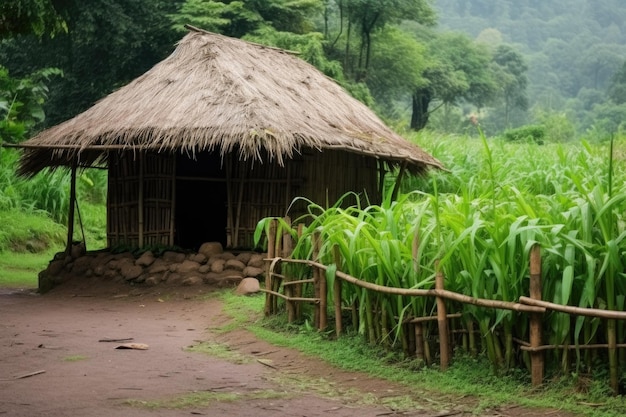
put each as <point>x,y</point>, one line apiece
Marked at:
<point>215,278</point>
<point>193,280</point>
<point>244,257</point>
<point>218,265</point>
<point>141,278</point>
<point>257,261</point>
<point>248,286</point>
<point>81,265</point>
<point>251,271</point>
<point>204,269</point>
<point>198,257</point>
<point>174,278</point>
<point>130,272</point>
<point>158,266</point>
<point>234,264</point>
<point>78,250</point>
<point>173,257</point>
<point>54,268</point>
<point>99,270</point>
<point>146,259</point>
<point>152,281</point>
<point>188,266</point>
<point>211,248</point>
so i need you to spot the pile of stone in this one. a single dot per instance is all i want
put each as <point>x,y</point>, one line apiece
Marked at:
<point>211,265</point>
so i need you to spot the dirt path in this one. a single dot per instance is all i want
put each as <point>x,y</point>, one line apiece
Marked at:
<point>57,337</point>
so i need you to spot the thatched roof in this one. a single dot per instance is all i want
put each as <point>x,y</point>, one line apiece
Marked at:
<point>219,93</point>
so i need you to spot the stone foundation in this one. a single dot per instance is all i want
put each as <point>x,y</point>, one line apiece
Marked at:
<point>209,266</point>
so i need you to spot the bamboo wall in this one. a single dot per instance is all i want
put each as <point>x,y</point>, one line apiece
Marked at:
<point>140,200</point>
<point>143,192</point>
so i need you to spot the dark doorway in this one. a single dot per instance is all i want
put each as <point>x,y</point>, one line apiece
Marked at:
<point>201,200</point>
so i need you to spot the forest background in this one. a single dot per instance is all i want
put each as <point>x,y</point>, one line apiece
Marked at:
<point>439,65</point>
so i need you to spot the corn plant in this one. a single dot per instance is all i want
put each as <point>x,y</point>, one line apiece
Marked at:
<point>478,222</point>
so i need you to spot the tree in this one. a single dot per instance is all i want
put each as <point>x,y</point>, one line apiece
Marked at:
<point>21,103</point>
<point>396,69</point>
<point>458,72</point>
<point>240,18</point>
<point>107,44</point>
<point>358,20</point>
<point>510,72</point>
<point>617,87</point>
<point>38,17</point>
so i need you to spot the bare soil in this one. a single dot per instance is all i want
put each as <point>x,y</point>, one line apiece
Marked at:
<point>55,362</point>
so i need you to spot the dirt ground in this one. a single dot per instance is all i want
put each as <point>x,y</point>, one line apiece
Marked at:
<point>55,362</point>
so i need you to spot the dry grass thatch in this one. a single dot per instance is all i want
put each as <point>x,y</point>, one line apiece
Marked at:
<point>218,93</point>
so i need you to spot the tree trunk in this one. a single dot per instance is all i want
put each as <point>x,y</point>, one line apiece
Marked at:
<point>419,117</point>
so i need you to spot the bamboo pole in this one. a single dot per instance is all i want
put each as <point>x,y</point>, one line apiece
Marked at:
<point>173,202</point>
<point>316,279</point>
<point>337,293</point>
<point>140,201</point>
<point>70,215</point>
<point>536,357</point>
<point>449,295</point>
<point>229,204</point>
<point>442,322</point>
<point>578,311</point>
<point>287,249</point>
<point>612,351</point>
<point>271,239</point>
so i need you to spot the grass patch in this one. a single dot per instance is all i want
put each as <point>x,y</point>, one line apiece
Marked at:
<point>74,358</point>
<point>472,379</point>
<point>205,399</point>
<point>21,270</point>
<point>29,232</point>
<point>219,351</point>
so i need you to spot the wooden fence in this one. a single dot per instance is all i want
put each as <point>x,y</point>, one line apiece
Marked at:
<point>290,290</point>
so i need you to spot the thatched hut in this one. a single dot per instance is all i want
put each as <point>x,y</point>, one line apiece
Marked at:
<point>219,135</point>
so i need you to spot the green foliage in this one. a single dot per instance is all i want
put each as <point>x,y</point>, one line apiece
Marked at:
<point>107,44</point>
<point>479,221</point>
<point>39,17</point>
<point>32,232</point>
<point>530,133</point>
<point>566,51</point>
<point>21,103</point>
<point>617,88</point>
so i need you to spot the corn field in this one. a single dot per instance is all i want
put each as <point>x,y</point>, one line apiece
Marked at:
<point>476,224</point>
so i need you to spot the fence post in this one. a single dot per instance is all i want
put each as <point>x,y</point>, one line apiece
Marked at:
<point>323,291</point>
<point>442,322</point>
<point>536,357</point>
<point>337,293</point>
<point>286,253</point>
<point>271,253</point>
<point>298,287</point>
<point>316,278</point>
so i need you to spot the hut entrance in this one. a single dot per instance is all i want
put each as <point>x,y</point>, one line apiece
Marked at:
<point>201,212</point>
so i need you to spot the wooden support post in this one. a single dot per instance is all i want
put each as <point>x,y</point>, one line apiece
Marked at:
<point>337,294</point>
<point>271,248</point>
<point>536,357</point>
<point>442,322</point>
<point>70,215</point>
<point>317,278</point>
<point>140,201</point>
<point>173,202</point>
